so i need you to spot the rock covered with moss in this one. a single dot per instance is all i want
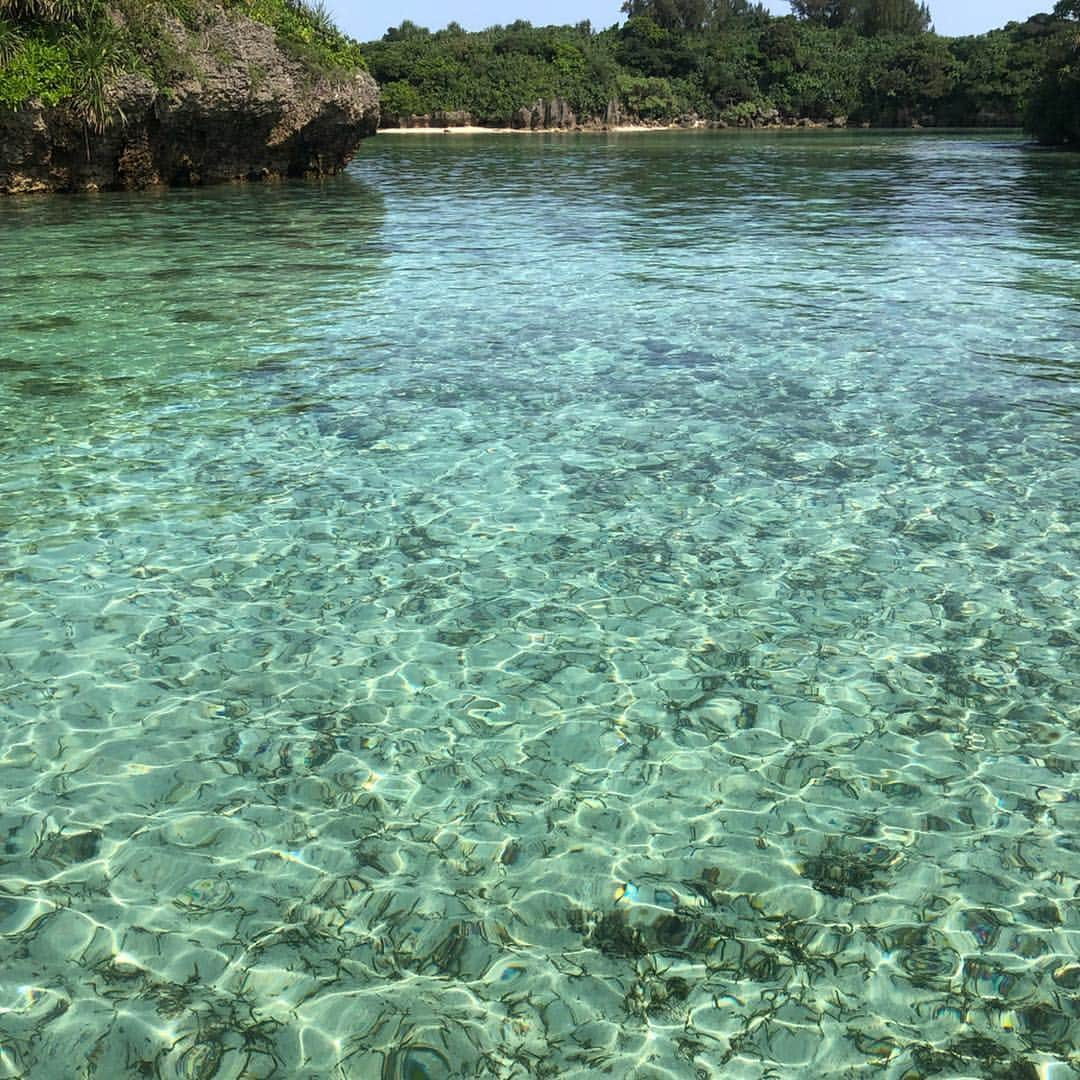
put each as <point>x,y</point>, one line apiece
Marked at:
<point>178,92</point>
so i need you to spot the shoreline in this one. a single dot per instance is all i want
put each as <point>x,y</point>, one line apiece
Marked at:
<point>473,129</point>
<point>614,129</point>
<point>637,129</point>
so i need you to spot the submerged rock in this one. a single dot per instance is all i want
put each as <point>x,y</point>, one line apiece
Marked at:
<point>242,109</point>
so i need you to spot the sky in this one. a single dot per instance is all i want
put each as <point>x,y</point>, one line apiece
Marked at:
<point>365,20</point>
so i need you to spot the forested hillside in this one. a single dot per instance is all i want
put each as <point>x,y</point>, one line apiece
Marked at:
<point>832,61</point>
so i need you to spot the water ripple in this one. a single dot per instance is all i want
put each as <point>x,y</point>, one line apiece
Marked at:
<point>553,606</point>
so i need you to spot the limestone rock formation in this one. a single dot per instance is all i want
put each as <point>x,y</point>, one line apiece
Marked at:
<point>555,114</point>
<point>450,118</point>
<point>242,109</point>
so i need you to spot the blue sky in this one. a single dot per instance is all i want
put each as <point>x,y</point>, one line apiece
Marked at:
<point>365,20</point>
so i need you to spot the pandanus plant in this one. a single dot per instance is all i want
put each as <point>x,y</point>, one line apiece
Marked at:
<point>96,44</point>
<point>100,54</point>
<point>11,40</point>
<point>54,11</point>
<point>317,14</point>
<point>12,12</point>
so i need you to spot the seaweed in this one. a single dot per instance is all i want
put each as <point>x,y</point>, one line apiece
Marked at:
<point>609,933</point>
<point>838,873</point>
<point>993,1061</point>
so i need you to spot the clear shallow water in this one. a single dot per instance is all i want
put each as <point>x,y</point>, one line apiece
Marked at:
<point>546,607</point>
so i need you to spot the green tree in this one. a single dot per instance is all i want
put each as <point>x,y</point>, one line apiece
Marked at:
<point>871,17</point>
<point>876,17</point>
<point>670,14</point>
<point>647,48</point>
<point>825,12</point>
<point>906,79</point>
<point>724,12</point>
<point>407,31</point>
<point>869,60</point>
<point>1054,114</point>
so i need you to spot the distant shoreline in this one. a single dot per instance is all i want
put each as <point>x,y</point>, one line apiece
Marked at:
<point>472,129</point>
<point>634,129</point>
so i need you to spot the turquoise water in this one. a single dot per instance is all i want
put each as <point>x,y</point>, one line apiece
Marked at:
<point>547,607</point>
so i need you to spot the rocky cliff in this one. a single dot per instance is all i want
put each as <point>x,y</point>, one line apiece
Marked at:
<point>554,114</point>
<point>238,107</point>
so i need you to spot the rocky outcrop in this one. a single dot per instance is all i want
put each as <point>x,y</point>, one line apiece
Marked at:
<point>614,115</point>
<point>451,118</point>
<point>241,110</point>
<point>554,115</point>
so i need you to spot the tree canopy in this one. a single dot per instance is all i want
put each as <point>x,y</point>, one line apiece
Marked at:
<point>1054,113</point>
<point>866,61</point>
<point>870,17</point>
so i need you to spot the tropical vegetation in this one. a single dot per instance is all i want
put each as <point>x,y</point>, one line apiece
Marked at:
<point>859,61</point>
<point>54,51</point>
<point>875,62</point>
<point>1054,115</point>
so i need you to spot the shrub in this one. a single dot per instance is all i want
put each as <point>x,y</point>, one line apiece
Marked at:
<point>56,50</point>
<point>306,31</point>
<point>40,70</point>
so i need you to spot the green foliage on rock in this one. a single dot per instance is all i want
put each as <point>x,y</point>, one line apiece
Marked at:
<point>63,50</point>
<point>55,51</point>
<point>38,68</point>
<point>100,52</point>
<point>306,30</point>
<point>50,11</point>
